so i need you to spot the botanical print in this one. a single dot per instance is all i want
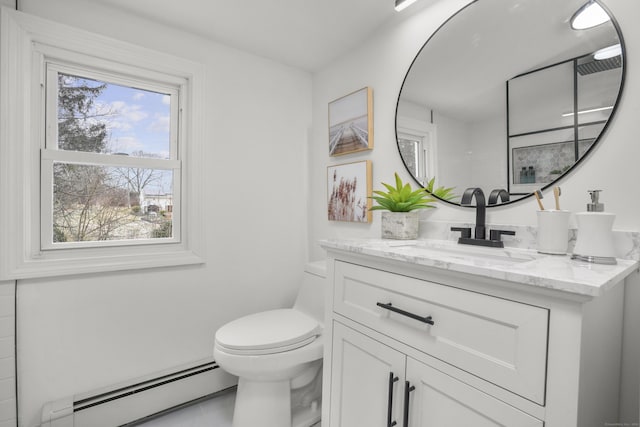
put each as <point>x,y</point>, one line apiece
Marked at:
<point>350,123</point>
<point>349,186</point>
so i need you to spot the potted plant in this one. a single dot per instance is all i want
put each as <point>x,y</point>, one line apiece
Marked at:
<point>400,205</point>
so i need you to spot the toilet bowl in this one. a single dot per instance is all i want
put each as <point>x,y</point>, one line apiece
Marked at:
<point>277,356</point>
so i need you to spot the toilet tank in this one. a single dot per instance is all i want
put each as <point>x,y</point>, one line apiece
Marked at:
<point>310,299</point>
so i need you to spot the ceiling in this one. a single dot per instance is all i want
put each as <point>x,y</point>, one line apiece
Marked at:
<point>307,34</point>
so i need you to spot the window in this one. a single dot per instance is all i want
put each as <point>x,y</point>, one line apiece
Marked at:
<point>110,160</point>
<point>100,153</point>
<point>417,145</point>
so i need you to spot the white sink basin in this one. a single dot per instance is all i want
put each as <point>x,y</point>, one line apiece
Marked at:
<point>476,254</point>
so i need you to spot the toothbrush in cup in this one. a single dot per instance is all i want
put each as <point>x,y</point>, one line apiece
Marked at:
<point>556,195</point>
<point>538,195</point>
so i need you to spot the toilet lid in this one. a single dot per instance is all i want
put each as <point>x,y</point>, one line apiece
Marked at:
<point>268,330</point>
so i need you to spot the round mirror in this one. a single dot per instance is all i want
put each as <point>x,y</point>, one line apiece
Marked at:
<point>507,95</point>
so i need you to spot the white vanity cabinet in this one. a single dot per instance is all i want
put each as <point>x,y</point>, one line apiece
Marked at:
<point>375,385</point>
<point>414,345</point>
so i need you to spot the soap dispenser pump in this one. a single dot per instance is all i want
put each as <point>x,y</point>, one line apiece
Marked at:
<point>595,205</point>
<point>595,237</point>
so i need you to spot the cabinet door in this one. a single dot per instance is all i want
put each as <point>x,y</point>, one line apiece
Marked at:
<point>362,377</point>
<point>438,399</point>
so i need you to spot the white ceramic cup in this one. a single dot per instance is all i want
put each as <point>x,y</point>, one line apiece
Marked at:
<point>553,231</point>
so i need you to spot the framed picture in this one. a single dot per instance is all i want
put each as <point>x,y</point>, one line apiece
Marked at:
<point>348,192</point>
<point>351,123</point>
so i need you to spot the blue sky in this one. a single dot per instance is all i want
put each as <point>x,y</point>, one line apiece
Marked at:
<point>137,120</point>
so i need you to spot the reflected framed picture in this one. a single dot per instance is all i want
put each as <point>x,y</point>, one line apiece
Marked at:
<point>351,123</point>
<point>349,191</point>
<point>537,159</point>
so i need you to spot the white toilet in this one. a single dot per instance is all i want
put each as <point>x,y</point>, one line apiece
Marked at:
<point>277,355</point>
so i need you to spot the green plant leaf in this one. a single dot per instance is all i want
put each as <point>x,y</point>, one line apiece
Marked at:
<point>398,182</point>
<point>402,198</point>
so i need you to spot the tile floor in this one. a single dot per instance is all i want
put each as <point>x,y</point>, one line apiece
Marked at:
<point>213,412</point>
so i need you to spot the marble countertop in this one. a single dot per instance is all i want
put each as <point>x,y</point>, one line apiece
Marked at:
<point>525,266</point>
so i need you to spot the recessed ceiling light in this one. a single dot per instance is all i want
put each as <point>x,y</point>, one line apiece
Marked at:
<point>588,16</point>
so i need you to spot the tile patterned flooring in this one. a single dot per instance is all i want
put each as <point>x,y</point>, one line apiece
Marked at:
<point>213,412</point>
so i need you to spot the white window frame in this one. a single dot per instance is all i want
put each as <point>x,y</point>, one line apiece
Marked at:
<point>50,154</point>
<point>28,45</point>
<point>426,135</point>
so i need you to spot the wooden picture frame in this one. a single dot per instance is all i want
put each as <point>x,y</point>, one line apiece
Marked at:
<point>349,189</point>
<point>351,123</point>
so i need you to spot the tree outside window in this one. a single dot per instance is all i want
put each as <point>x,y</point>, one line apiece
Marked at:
<point>96,198</point>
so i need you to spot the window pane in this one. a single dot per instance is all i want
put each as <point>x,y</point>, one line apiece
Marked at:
<point>102,117</point>
<point>93,203</point>
<point>410,149</point>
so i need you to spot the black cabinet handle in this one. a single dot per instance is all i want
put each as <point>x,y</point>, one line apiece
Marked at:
<point>408,388</point>
<point>392,380</point>
<point>422,319</point>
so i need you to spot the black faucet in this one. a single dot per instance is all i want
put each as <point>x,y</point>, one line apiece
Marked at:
<point>481,208</point>
<point>480,237</point>
<point>499,193</point>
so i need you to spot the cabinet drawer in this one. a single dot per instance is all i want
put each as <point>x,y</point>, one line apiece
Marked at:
<point>501,341</point>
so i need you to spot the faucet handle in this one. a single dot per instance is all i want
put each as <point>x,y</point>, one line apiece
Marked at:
<point>498,193</point>
<point>464,231</point>
<point>497,234</point>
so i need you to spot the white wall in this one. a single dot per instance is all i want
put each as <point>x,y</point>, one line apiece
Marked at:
<point>7,355</point>
<point>8,409</point>
<point>382,63</point>
<point>79,333</point>
<point>453,137</point>
<point>487,149</point>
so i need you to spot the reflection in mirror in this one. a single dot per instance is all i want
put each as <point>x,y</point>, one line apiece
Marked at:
<point>490,100</point>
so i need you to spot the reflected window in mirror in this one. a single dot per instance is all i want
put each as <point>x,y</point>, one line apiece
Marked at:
<point>418,145</point>
<point>412,153</point>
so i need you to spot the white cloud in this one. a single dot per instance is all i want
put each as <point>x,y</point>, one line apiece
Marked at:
<point>125,144</point>
<point>138,96</point>
<point>160,124</point>
<point>166,100</point>
<point>124,116</point>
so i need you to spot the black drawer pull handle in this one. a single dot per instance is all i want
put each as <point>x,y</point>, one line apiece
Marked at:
<point>408,388</point>
<point>392,380</point>
<point>389,307</point>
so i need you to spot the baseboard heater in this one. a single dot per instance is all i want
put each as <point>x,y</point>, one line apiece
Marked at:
<point>124,403</point>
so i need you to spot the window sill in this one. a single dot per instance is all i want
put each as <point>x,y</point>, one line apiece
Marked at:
<point>87,263</point>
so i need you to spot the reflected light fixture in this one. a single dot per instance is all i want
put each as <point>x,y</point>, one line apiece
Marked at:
<point>403,4</point>
<point>591,110</point>
<point>588,16</point>
<point>608,52</point>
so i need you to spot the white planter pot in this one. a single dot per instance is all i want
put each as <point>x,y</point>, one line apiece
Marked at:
<point>400,225</point>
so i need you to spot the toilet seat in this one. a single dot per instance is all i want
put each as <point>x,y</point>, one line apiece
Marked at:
<point>268,332</point>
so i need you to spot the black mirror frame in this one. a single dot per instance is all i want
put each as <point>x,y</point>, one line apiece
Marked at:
<point>578,162</point>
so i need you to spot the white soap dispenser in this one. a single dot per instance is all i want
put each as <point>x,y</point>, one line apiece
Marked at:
<point>595,237</point>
